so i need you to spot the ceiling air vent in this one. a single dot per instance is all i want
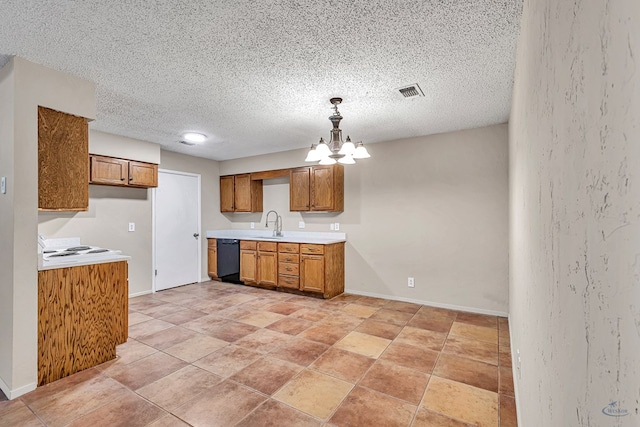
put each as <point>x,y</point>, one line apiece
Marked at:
<point>411,90</point>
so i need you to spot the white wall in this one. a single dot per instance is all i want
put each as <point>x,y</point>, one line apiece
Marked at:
<point>34,85</point>
<point>575,213</point>
<point>434,208</point>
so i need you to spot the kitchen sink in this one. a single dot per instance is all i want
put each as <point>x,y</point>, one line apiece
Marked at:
<point>270,237</point>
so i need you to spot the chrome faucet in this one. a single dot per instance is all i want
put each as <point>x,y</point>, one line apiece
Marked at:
<point>277,226</point>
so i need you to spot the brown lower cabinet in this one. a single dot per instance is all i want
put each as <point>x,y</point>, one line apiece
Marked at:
<point>312,268</point>
<point>212,258</point>
<point>82,316</point>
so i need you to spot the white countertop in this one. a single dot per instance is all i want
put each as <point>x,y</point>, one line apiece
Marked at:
<point>80,260</point>
<point>288,236</point>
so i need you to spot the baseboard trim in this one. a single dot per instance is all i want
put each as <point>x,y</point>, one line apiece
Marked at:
<point>138,294</point>
<point>514,374</point>
<point>429,303</point>
<point>12,394</point>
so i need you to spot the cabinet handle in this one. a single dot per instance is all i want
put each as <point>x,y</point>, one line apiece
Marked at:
<point>122,179</point>
<point>130,178</point>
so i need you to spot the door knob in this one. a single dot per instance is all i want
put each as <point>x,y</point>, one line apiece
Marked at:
<point>196,235</point>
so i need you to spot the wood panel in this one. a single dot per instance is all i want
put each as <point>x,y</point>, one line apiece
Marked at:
<point>287,257</point>
<point>212,258</point>
<point>143,174</point>
<point>248,245</point>
<point>82,316</point>
<point>308,248</point>
<point>272,174</point>
<point>322,188</point>
<point>289,268</point>
<point>299,190</point>
<point>289,282</point>
<point>268,246</point>
<point>293,248</point>
<point>334,272</point>
<point>63,161</point>
<point>267,268</point>
<point>108,170</point>
<point>242,193</point>
<point>248,267</point>
<point>226,193</point>
<point>312,273</point>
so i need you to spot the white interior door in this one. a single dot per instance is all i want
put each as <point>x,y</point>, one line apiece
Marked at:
<point>176,229</point>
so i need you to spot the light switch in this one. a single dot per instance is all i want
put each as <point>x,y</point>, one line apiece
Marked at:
<point>3,185</point>
<point>132,226</point>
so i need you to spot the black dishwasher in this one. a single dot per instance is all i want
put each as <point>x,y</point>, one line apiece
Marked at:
<point>229,260</point>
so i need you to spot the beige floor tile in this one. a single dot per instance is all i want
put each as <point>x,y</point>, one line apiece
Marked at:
<point>392,316</point>
<point>364,407</point>
<point>263,340</point>
<point>148,327</point>
<point>504,356</point>
<point>168,421</point>
<point>195,348</point>
<point>480,333</point>
<point>396,381</point>
<point>461,401</point>
<point>314,393</point>
<point>468,371</point>
<point>183,316</point>
<point>167,337</point>
<point>291,325</point>
<point>261,318</point>
<point>66,384</point>
<point>343,364</point>
<point>161,310</point>
<point>127,410</point>
<point>136,317</point>
<point>267,374</point>
<point>365,344</point>
<point>325,334</point>
<point>426,418</point>
<point>300,351</point>
<point>284,308</point>
<point>179,387</point>
<point>360,310</point>
<point>205,324</point>
<point>379,329</point>
<point>508,416</point>
<point>147,370</point>
<point>65,406</point>
<point>275,414</point>
<point>228,360</point>
<point>422,338</point>
<point>506,380</point>
<point>405,307</point>
<point>478,319</point>
<point>9,405</point>
<point>410,356</point>
<point>222,405</point>
<point>19,416</point>
<point>473,349</point>
<point>231,331</point>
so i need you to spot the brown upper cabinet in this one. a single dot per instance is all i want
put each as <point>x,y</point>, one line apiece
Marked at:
<point>63,150</point>
<point>121,172</point>
<point>239,193</point>
<point>317,188</point>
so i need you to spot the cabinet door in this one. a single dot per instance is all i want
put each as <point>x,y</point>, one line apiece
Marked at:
<point>242,195</point>
<point>267,268</point>
<point>63,168</point>
<point>226,193</point>
<point>322,188</point>
<point>312,273</point>
<point>299,196</point>
<point>248,270</point>
<point>212,258</point>
<point>108,170</point>
<point>143,174</point>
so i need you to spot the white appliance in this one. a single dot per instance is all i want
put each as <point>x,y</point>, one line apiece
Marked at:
<point>54,253</point>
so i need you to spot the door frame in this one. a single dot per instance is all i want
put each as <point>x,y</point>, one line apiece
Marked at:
<point>153,225</point>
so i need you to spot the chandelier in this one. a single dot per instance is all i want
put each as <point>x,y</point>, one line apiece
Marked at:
<point>336,150</point>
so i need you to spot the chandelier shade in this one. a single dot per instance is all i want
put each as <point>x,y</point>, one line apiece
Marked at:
<point>335,150</point>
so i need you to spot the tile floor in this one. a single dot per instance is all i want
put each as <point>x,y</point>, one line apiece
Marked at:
<point>216,354</point>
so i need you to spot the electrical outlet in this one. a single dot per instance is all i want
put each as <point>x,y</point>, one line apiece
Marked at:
<point>337,226</point>
<point>253,225</point>
<point>132,226</point>
<point>332,226</point>
<point>3,186</point>
<point>411,282</point>
<point>301,224</point>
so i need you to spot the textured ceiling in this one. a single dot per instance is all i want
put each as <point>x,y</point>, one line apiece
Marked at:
<point>256,75</point>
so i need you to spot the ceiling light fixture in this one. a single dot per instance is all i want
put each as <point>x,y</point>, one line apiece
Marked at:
<point>194,137</point>
<point>336,150</point>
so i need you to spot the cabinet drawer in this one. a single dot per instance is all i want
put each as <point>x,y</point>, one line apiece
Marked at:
<point>267,246</point>
<point>307,248</point>
<point>289,281</point>
<point>289,258</point>
<point>292,248</point>
<point>212,243</point>
<point>289,268</point>
<point>248,245</point>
